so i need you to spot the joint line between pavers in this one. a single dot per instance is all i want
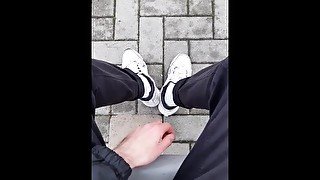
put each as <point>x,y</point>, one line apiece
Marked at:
<point>183,141</point>
<point>163,36</point>
<point>188,10</point>
<point>153,63</point>
<point>138,42</point>
<point>101,17</point>
<point>193,39</point>
<point>186,39</point>
<point>213,11</point>
<point>204,62</point>
<point>189,115</point>
<point>109,128</point>
<point>114,19</point>
<point>136,107</point>
<point>183,15</point>
<point>115,40</point>
<point>189,50</point>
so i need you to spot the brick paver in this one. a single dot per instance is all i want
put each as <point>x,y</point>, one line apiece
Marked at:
<point>163,7</point>
<point>178,149</point>
<point>128,107</point>
<point>122,125</point>
<point>111,51</point>
<point>158,30</point>
<point>102,8</point>
<point>102,28</point>
<point>103,110</point>
<point>221,19</point>
<point>200,7</point>
<point>188,27</point>
<point>103,124</point>
<point>126,26</point>
<point>208,50</point>
<point>187,127</point>
<point>151,39</point>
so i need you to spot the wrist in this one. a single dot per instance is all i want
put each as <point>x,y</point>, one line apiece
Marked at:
<point>125,156</point>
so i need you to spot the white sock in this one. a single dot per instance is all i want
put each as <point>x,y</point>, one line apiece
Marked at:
<point>168,97</point>
<point>146,85</point>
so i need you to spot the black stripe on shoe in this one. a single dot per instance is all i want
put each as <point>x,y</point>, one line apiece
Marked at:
<point>152,89</point>
<point>164,89</point>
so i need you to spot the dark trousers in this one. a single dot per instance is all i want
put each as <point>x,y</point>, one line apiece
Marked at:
<point>207,89</point>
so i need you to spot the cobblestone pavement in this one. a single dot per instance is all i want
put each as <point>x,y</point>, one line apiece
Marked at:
<point>158,30</point>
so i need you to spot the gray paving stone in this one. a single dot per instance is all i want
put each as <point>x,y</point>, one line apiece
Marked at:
<point>102,28</point>
<point>221,19</point>
<point>151,35</point>
<point>126,26</point>
<point>177,149</point>
<point>128,107</point>
<point>163,7</point>
<point>200,7</point>
<point>103,110</point>
<point>102,7</point>
<point>197,67</point>
<point>122,125</point>
<point>171,50</point>
<point>155,71</point>
<point>188,27</point>
<point>187,127</point>
<point>143,109</point>
<point>182,110</point>
<point>111,51</point>
<point>192,145</point>
<point>199,111</point>
<point>103,125</point>
<point>208,50</point>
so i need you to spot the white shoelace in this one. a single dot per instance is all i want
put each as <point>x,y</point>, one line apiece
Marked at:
<point>136,65</point>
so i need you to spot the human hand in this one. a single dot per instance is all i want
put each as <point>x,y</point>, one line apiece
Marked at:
<point>145,143</point>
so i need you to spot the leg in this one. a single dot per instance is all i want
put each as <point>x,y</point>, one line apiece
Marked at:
<point>208,159</point>
<point>112,85</point>
<point>202,90</point>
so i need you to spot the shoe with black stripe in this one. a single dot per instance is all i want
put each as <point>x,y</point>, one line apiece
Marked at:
<point>180,68</point>
<point>132,60</point>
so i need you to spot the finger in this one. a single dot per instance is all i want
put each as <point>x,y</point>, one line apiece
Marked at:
<point>166,142</point>
<point>166,128</point>
<point>156,122</point>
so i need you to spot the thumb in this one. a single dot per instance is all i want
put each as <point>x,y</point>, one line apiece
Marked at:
<point>166,142</point>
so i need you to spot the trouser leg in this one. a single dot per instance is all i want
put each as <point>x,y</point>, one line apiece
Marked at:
<point>202,90</point>
<point>112,85</point>
<point>208,159</point>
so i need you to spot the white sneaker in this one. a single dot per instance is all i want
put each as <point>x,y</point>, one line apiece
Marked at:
<point>180,68</point>
<point>132,60</point>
